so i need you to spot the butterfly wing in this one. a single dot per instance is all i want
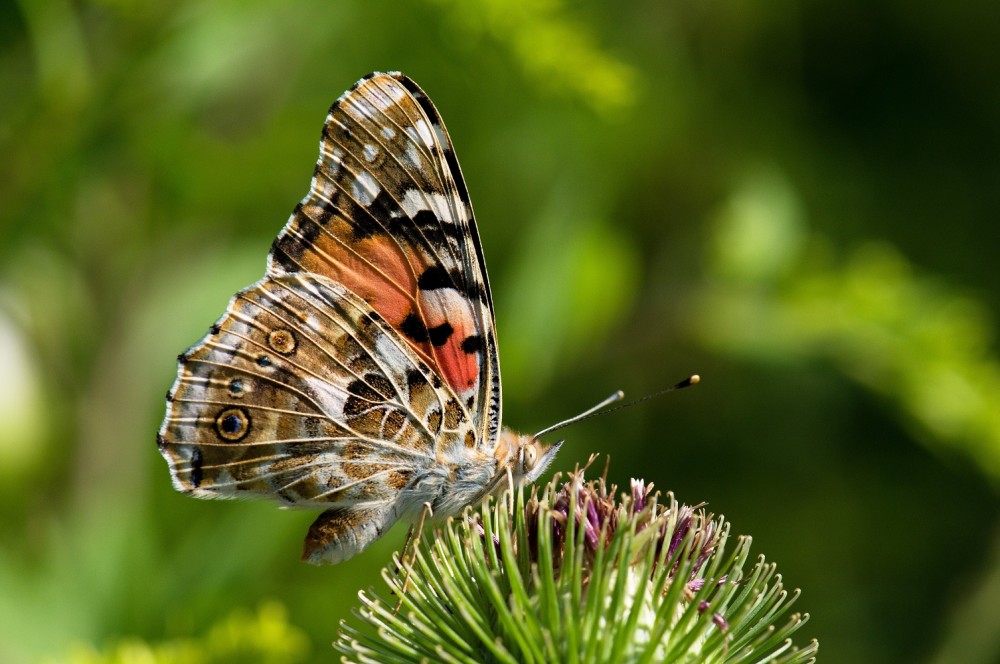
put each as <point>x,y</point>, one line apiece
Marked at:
<point>388,216</point>
<point>361,374</point>
<point>302,393</point>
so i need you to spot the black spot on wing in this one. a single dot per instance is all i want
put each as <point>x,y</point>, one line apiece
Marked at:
<point>415,379</point>
<point>372,388</point>
<point>435,379</point>
<point>434,278</point>
<point>426,221</point>
<point>429,230</point>
<point>308,228</point>
<point>280,254</point>
<point>364,394</point>
<point>414,328</point>
<point>379,216</point>
<point>288,248</point>
<point>472,344</point>
<point>195,465</point>
<point>230,425</point>
<point>439,335</point>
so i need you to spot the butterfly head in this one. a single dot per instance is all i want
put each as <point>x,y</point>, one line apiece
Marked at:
<point>527,457</point>
<point>536,457</point>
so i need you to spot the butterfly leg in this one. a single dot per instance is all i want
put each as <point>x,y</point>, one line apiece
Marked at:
<point>406,545</point>
<point>409,551</point>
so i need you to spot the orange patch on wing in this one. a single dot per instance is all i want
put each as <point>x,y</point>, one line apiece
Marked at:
<point>459,368</point>
<point>378,270</point>
<point>385,263</point>
<point>374,268</point>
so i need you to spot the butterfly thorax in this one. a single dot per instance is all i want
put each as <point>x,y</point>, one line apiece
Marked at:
<point>468,475</point>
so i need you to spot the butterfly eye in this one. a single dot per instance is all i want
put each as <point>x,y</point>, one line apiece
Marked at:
<point>530,457</point>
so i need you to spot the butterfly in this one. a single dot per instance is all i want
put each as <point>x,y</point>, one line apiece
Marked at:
<point>360,376</point>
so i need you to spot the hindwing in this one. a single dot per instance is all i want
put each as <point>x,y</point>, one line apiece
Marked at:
<point>302,393</point>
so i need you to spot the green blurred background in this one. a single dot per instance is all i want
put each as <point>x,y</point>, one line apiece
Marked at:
<point>797,200</point>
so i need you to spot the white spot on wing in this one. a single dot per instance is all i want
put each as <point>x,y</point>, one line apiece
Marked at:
<point>370,152</point>
<point>442,137</point>
<point>371,111</point>
<point>412,156</point>
<point>331,398</point>
<point>415,200</point>
<point>396,91</point>
<point>448,305</point>
<point>365,189</point>
<point>332,160</point>
<point>391,356</point>
<point>425,132</point>
<point>378,100</point>
<point>225,481</point>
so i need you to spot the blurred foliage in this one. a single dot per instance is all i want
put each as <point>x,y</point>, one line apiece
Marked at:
<point>795,200</point>
<point>923,345</point>
<point>561,53</point>
<point>242,637</point>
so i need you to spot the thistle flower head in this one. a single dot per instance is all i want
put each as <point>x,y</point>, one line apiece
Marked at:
<point>579,572</point>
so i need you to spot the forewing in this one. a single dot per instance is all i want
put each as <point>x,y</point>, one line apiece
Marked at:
<point>388,216</point>
<point>304,394</point>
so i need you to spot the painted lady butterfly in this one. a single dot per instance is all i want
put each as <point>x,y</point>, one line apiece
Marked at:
<point>360,375</point>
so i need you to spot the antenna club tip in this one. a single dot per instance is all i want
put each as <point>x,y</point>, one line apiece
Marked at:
<point>688,382</point>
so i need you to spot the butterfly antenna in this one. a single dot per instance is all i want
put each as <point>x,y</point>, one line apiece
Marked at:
<point>617,396</point>
<point>687,382</point>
